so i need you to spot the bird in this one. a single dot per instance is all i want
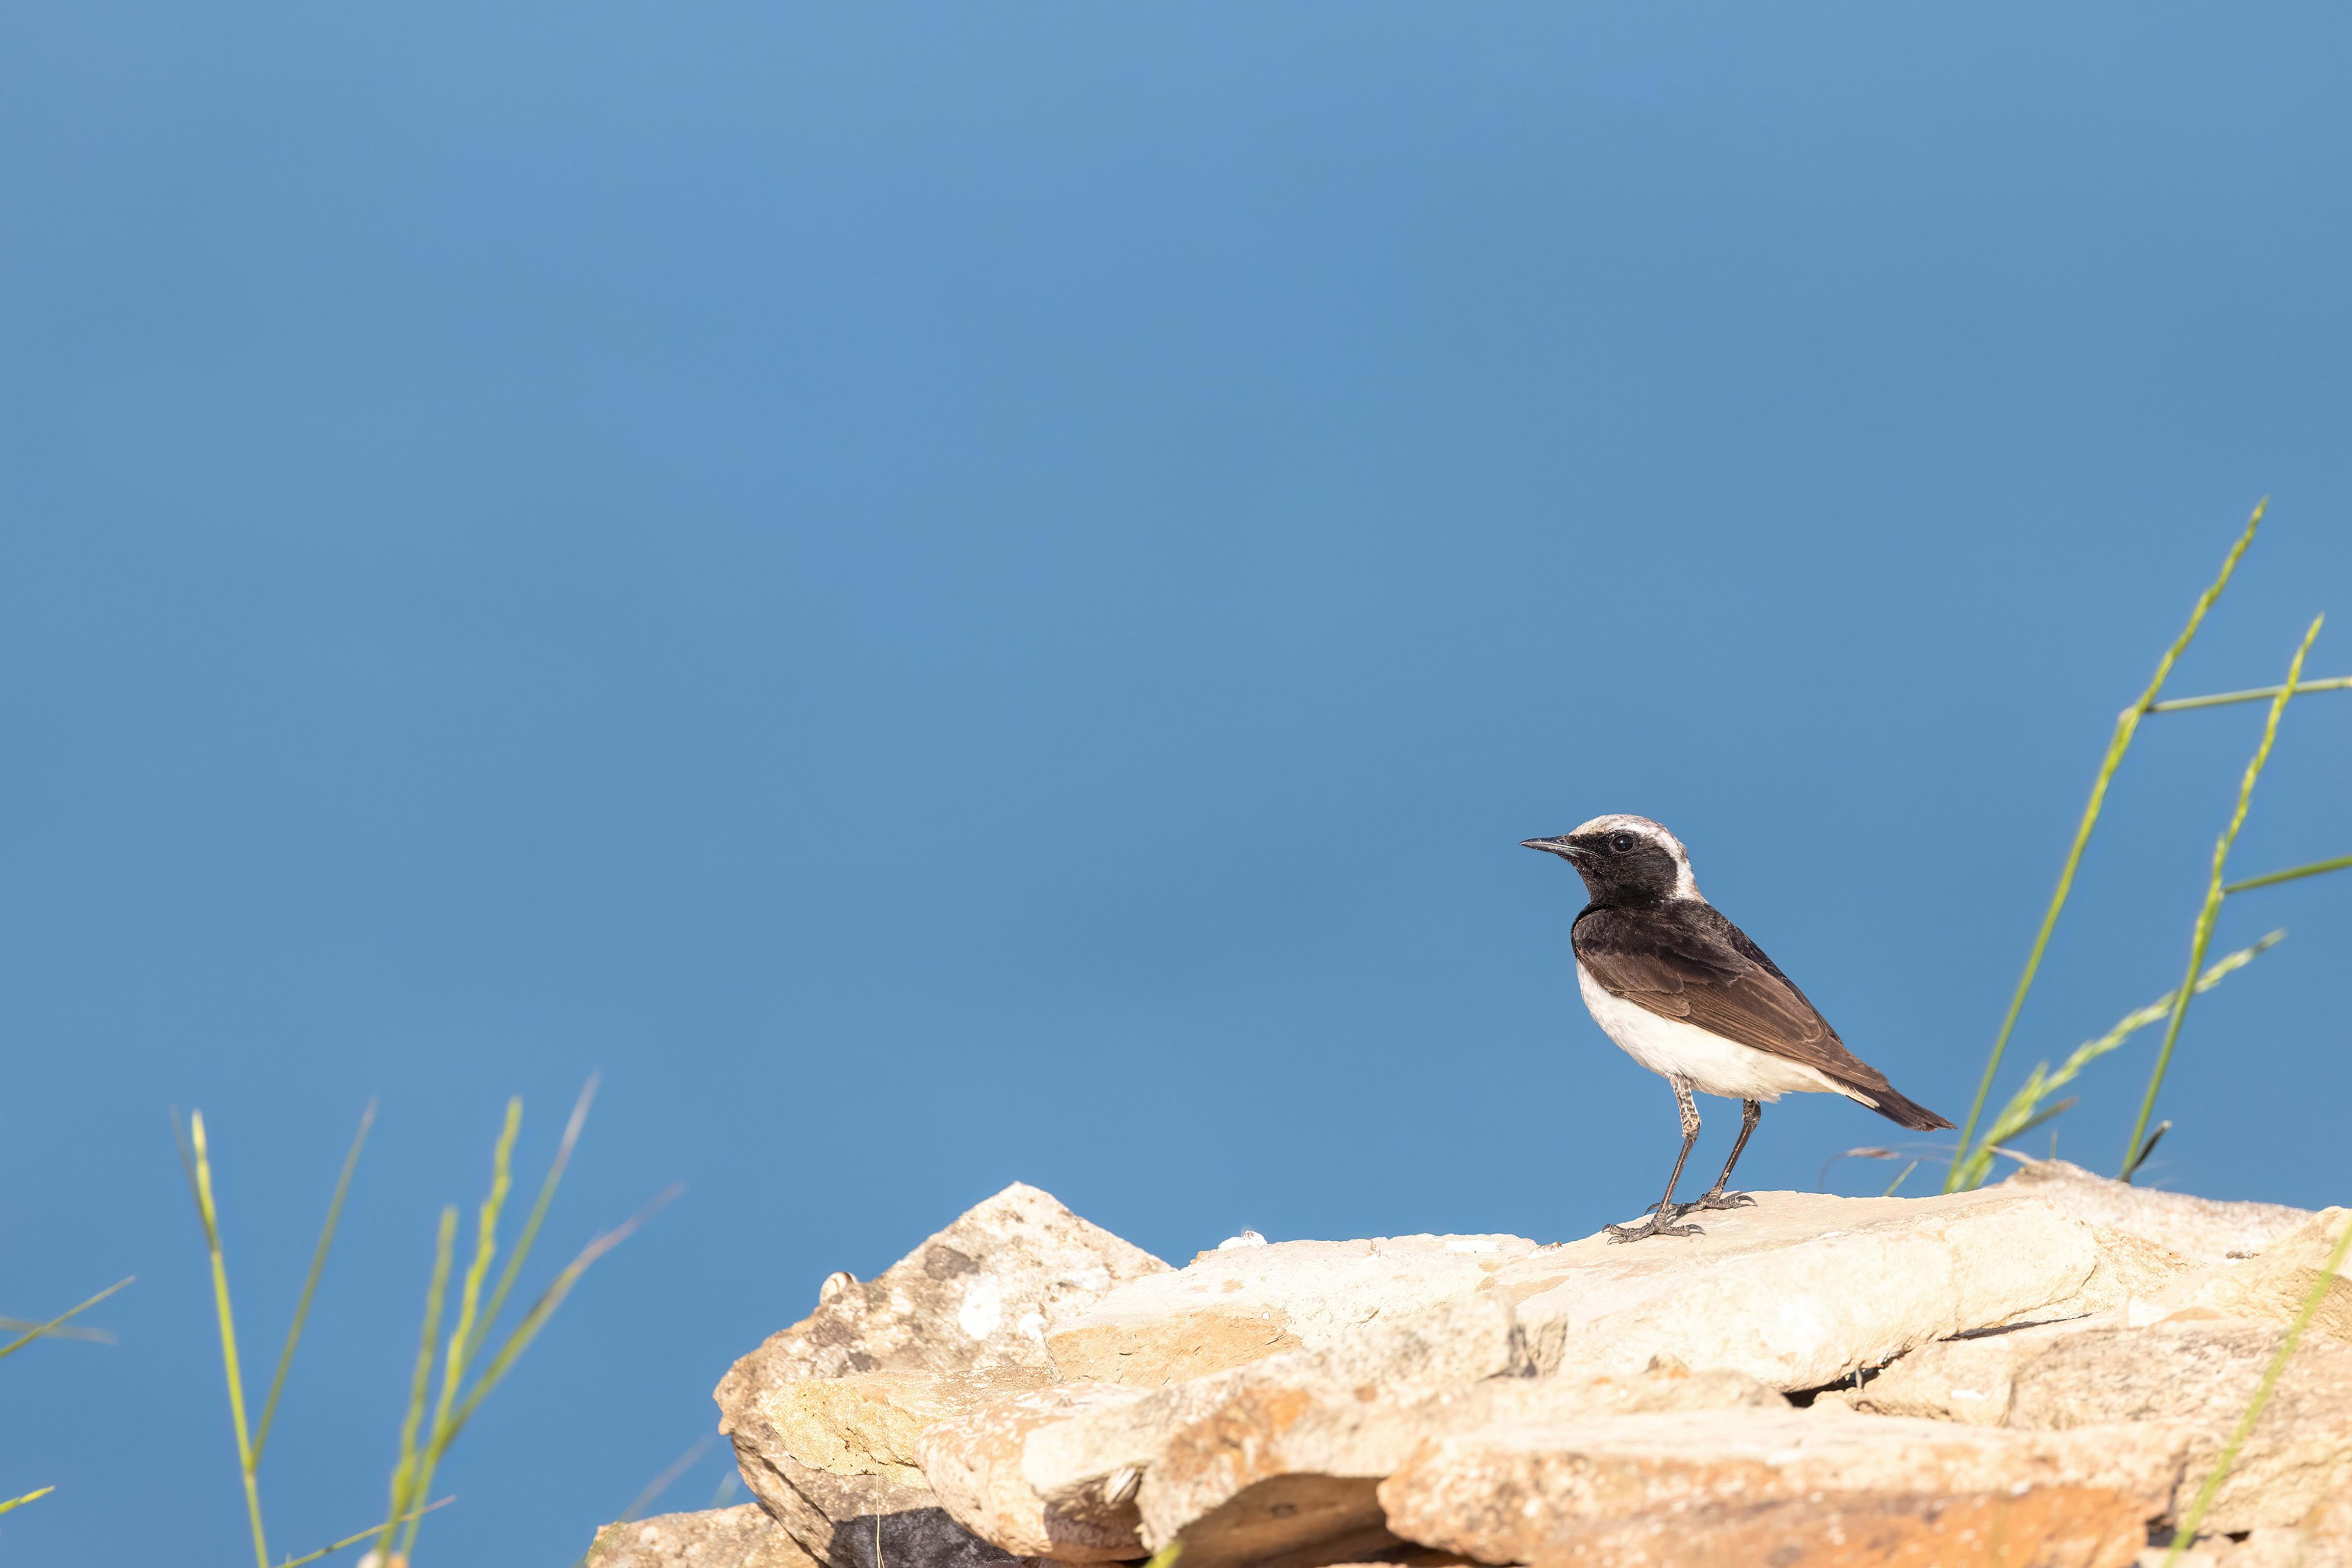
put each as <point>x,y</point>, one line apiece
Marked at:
<point>1683,991</point>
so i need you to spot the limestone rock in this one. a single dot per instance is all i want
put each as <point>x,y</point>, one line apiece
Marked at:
<point>2271,1286</point>
<point>865,1521</point>
<point>2130,1268</point>
<point>974,1464</point>
<point>1781,1487</point>
<point>959,1320</point>
<point>2200,1376</point>
<point>1278,1458</point>
<point>739,1537</point>
<point>1970,1379</point>
<point>871,1423</point>
<point>2204,1230</point>
<point>1237,1305</point>
<point>2322,1540</point>
<point>983,1292</point>
<point>1802,1289</point>
<point>2048,1527</point>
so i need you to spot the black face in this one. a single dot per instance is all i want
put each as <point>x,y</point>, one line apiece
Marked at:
<point>1620,867</point>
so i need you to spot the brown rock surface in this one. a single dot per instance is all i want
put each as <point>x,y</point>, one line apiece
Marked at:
<point>1228,1308</point>
<point>834,1465</point>
<point>739,1537</point>
<point>2049,1527</point>
<point>1532,1492</point>
<point>974,1464</point>
<point>1280,1459</point>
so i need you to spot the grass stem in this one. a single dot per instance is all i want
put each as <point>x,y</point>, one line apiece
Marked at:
<point>311,1282</point>
<point>2206,1493</point>
<point>201,1175</point>
<point>354,1539</point>
<point>2135,1150</point>
<point>2127,726</point>
<point>2294,874</point>
<point>2026,1110</point>
<point>43,1330</point>
<point>18,1502</point>
<point>420,1383</point>
<point>2257,694</point>
<point>455,1358</point>
<point>555,1169</point>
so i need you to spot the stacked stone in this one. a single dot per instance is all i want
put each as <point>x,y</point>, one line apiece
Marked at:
<point>2041,1374</point>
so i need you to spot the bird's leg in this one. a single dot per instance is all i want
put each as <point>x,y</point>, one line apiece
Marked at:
<point>1665,1209</point>
<point>1750,1112</point>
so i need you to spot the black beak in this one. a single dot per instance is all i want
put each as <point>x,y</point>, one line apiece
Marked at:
<point>1561,847</point>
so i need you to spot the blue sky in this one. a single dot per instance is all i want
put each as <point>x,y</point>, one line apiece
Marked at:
<point>952,595</point>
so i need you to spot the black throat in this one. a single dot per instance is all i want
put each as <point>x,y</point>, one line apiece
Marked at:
<point>1642,877</point>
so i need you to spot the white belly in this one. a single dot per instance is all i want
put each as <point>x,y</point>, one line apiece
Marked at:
<point>1685,1053</point>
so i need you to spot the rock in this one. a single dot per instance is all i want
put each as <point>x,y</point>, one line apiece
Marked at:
<point>2196,1374</point>
<point>983,1292</point>
<point>975,1465</point>
<point>2130,1268</point>
<point>2203,1230</point>
<point>1243,1302</point>
<point>739,1537</point>
<point>836,1464</point>
<point>871,1423</point>
<point>2271,1286</point>
<point>1802,1290</point>
<point>2200,1376</point>
<point>2322,1540</point>
<point>2048,1527</point>
<point>1781,1487</point>
<point>1970,1379</point>
<point>865,1521</point>
<point>1275,1459</point>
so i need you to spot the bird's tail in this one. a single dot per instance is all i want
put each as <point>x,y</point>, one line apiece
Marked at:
<point>1884,1100</point>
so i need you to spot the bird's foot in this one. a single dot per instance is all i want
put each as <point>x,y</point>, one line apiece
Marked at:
<point>1655,1225</point>
<point>1717,1200</point>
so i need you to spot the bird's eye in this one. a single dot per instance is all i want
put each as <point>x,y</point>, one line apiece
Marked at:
<point>1621,842</point>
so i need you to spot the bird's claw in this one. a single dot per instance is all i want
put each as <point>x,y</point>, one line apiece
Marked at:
<point>1655,1225</point>
<point>1715,1200</point>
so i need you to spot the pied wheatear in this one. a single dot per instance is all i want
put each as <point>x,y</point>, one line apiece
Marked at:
<point>1687,995</point>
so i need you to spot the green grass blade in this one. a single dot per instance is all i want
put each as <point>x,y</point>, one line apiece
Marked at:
<point>355,1540</point>
<point>199,1156</point>
<point>2292,874</point>
<point>311,1284</point>
<point>668,1478</point>
<point>43,1330</point>
<point>469,1299</point>
<point>2136,1150</point>
<point>17,1502</point>
<point>2127,726</point>
<point>2046,1115</point>
<point>420,1384</point>
<point>2020,1115</point>
<point>2257,694</point>
<point>542,1308</point>
<point>2262,1392</point>
<point>1166,1556</point>
<point>572,1129</point>
<point>1899,1180</point>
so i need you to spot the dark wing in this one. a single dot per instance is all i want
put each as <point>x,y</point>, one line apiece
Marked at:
<point>1686,961</point>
